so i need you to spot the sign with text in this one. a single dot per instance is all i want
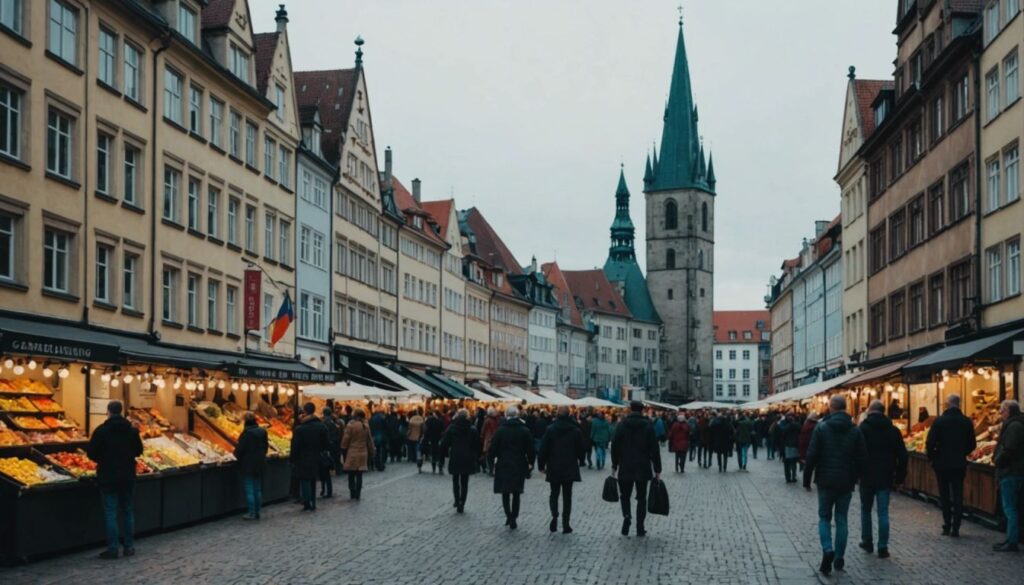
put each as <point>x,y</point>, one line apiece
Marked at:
<point>253,280</point>
<point>282,375</point>
<point>64,349</point>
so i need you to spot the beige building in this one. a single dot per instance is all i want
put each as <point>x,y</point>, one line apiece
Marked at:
<point>455,319</point>
<point>1002,127</point>
<point>478,310</point>
<point>780,305</point>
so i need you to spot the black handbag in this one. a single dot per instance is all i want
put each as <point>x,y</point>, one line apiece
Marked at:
<point>611,490</point>
<point>657,498</point>
<point>326,461</point>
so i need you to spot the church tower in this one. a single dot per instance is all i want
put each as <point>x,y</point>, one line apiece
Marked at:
<point>679,186</point>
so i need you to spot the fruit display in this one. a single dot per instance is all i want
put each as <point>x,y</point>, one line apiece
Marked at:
<point>228,420</point>
<point>77,463</point>
<point>10,438</point>
<point>983,454</point>
<point>17,404</point>
<point>44,404</point>
<point>29,423</point>
<point>916,441</point>
<point>280,444</point>
<point>150,422</point>
<point>27,472</point>
<point>57,423</point>
<point>227,423</point>
<point>141,468</point>
<point>203,450</point>
<point>167,451</point>
<point>24,386</point>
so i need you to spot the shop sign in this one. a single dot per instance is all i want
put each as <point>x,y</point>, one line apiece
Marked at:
<point>253,280</point>
<point>312,376</point>
<point>62,349</point>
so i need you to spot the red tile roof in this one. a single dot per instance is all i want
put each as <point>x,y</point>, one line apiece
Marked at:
<point>405,202</point>
<point>441,211</point>
<point>334,91</point>
<point>489,245</point>
<point>217,13</point>
<point>595,292</point>
<point>562,292</point>
<point>740,321</point>
<point>867,90</point>
<point>264,47</point>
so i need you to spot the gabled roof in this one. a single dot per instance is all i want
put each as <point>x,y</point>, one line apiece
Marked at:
<point>441,211</point>
<point>867,90</point>
<point>334,90</point>
<point>634,288</point>
<point>217,13</point>
<point>264,47</point>
<point>593,290</point>
<point>405,202</point>
<point>563,294</point>
<point>489,245</point>
<point>307,114</point>
<point>740,321</point>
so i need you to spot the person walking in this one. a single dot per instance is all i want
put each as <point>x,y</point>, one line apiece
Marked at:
<point>679,441</point>
<point>704,455</point>
<point>659,429</point>
<point>586,424</point>
<point>327,464</point>
<point>1009,461</point>
<point>884,468</point>
<point>462,445</point>
<point>433,431</point>
<point>379,432</point>
<point>789,435</point>
<point>357,442</point>
<point>490,426</point>
<point>760,431</point>
<point>511,455</point>
<point>950,440</point>
<point>773,442</point>
<point>636,458</point>
<point>835,459</point>
<point>694,436</point>
<point>744,437</point>
<point>600,436</point>
<point>413,434</point>
<point>562,452</point>
<point>309,443</point>
<point>251,453</point>
<point>805,436</point>
<point>395,436</point>
<point>721,440</point>
<point>114,446</point>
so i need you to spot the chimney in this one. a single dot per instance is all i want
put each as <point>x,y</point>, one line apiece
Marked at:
<point>387,166</point>
<point>281,18</point>
<point>533,264</point>
<point>416,190</point>
<point>819,227</point>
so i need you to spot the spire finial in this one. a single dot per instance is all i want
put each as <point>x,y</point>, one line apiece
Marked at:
<point>853,72</point>
<point>359,50</point>
<point>680,9</point>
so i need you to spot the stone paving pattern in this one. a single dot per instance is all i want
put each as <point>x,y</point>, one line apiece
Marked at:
<point>746,528</point>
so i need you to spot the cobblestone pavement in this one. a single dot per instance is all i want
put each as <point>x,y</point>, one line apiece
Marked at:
<point>735,528</point>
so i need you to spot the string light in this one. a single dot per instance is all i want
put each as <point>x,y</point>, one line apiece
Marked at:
<point>114,383</point>
<point>32,364</point>
<point>63,373</point>
<point>47,372</point>
<point>8,363</point>
<point>19,369</point>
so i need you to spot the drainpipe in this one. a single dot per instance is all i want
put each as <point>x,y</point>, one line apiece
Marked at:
<point>85,181</point>
<point>976,308</point>
<point>165,42</point>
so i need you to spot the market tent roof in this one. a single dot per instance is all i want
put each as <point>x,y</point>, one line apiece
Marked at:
<point>878,373</point>
<point>556,398</point>
<point>496,392</point>
<point>271,368</point>
<point>454,387</point>
<point>526,395</point>
<point>660,405</point>
<point>434,385</point>
<point>808,390</point>
<point>595,401</point>
<point>354,391</point>
<point>753,405</point>
<point>702,405</point>
<point>954,356</point>
<point>402,382</point>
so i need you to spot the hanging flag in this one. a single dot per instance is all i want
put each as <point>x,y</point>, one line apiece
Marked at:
<point>252,299</point>
<point>285,316</point>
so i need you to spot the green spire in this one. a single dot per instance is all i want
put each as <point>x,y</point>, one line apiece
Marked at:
<point>648,173</point>
<point>678,166</point>
<point>711,171</point>
<point>623,231</point>
<point>702,169</point>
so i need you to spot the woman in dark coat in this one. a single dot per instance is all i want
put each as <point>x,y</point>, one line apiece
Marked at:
<point>511,456</point>
<point>679,441</point>
<point>562,452</point>
<point>309,441</point>
<point>722,440</point>
<point>462,444</point>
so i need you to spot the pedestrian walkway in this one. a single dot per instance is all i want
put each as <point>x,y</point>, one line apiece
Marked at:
<point>736,528</point>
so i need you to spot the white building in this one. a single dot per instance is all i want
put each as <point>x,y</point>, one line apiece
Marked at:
<point>740,369</point>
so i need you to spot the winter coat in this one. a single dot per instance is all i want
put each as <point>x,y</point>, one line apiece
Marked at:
<point>694,431</point>
<point>600,432</point>
<point>760,428</point>
<point>744,432</point>
<point>491,424</point>
<point>251,450</point>
<point>679,437</point>
<point>415,430</point>
<point>561,451</point>
<point>721,435</point>
<point>789,433</point>
<point>392,427</point>
<point>586,424</point>
<point>805,437</point>
<point>540,426</point>
<point>886,463</point>
<point>358,445</point>
<point>1009,454</point>
<point>659,428</point>
<point>378,428</point>
<point>462,444</point>
<point>836,456</point>
<point>511,455</point>
<point>433,429</point>
<point>635,451</point>
<point>704,432</point>
<point>114,446</point>
<point>333,433</point>
<point>950,440</point>
<point>309,440</point>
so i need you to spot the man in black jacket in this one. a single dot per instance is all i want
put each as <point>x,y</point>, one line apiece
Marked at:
<point>114,446</point>
<point>333,453</point>
<point>1009,461</point>
<point>309,443</point>
<point>636,458</point>
<point>562,453</point>
<point>886,466</point>
<point>251,453</point>
<point>835,459</point>
<point>950,440</point>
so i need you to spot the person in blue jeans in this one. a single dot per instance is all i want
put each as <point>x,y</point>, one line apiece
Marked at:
<point>251,453</point>
<point>884,468</point>
<point>600,436</point>
<point>1009,461</point>
<point>835,460</point>
<point>114,446</point>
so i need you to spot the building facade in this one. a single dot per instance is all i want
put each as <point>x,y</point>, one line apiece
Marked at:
<point>599,303</point>
<point>741,340</point>
<point>542,331</point>
<point>574,337</point>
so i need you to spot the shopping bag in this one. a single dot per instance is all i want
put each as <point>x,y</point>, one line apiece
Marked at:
<point>611,490</point>
<point>657,498</point>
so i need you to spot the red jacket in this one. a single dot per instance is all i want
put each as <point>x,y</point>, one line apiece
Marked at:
<point>679,437</point>
<point>805,437</point>
<point>491,424</point>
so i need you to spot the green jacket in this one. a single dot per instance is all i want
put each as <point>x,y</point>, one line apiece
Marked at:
<point>744,432</point>
<point>600,431</point>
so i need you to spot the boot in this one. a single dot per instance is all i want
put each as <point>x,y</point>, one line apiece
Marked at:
<point>625,526</point>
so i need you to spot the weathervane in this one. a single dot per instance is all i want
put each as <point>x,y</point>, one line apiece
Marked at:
<point>680,8</point>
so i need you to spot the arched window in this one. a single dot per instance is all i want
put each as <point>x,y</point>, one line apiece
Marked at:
<point>704,216</point>
<point>671,215</point>
<point>670,258</point>
<point>670,294</point>
<point>700,259</point>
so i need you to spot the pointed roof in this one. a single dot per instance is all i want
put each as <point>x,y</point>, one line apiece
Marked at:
<point>740,321</point>
<point>405,202</point>
<point>592,291</point>
<point>867,90</point>
<point>489,245</point>
<point>217,13</point>
<point>563,294</point>
<point>334,92</point>
<point>711,171</point>
<point>441,211</point>
<point>678,166</point>
<point>264,46</point>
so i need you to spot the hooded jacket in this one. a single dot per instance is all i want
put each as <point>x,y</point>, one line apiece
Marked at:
<point>561,451</point>
<point>886,464</point>
<point>635,451</point>
<point>462,444</point>
<point>836,455</point>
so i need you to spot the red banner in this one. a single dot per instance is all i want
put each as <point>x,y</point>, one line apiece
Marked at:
<point>253,280</point>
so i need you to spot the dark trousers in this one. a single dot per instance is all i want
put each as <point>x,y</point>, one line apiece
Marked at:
<point>681,460</point>
<point>705,457</point>
<point>565,488</point>
<point>770,447</point>
<point>789,465</point>
<point>755,445</point>
<point>460,487</point>
<point>510,502</point>
<point>693,448</point>
<point>951,496</point>
<point>307,493</point>
<point>723,461</point>
<point>625,491</point>
<point>380,455</point>
<point>590,451</point>
<point>355,484</point>
<point>411,451</point>
<point>326,483</point>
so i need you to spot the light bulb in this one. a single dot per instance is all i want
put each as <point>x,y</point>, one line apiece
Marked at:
<point>221,384</point>
<point>201,387</point>
<point>47,372</point>
<point>177,383</point>
<point>262,388</point>
<point>19,370</point>
<point>8,363</point>
<point>63,373</point>
<point>32,364</point>
<point>245,386</point>
<point>115,383</point>
<point>105,377</point>
<point>128,378</point>
<point>234,385</point>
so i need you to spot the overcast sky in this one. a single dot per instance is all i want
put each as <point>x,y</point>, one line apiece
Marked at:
<point>526,108</point>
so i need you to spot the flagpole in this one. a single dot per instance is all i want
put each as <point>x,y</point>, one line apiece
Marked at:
<point>258,266</point>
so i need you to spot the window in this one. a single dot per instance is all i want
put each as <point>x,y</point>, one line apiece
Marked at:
<point>172,95</point>
<point>212,298</point>
<point>320,258</point>
<point>269,146</point>
<point>670,258</point>
<point>305,243</point>
<point>732,352</point>
<point>279,101</point>
<point>1012,8</point>
<point>704,216</point>
<point>938,118</point>
<point>169,286</point>
<point>172,181</point>
<point>917,228</point>
<point>936,209</point>
<point>1011,76</point>
<point>915,148</point>
<point>8,247</point>
<point>936,299</point>
<point>129,279</point>
<point>746,374</point>
<point>104,256</point>
<point>131,178</point>
<point>670,294</point>
<point>213,212</point>
<point>994,258</point>
<point>993,184</point>
<point>897,234</point>
<point>284,167</point>
<point>58,144</point>
<point>1011,167</point>
<point>268,235</point>
<point>250,228</point>
<point>746,354</point>
<point>195,110</point>
<point>897,314</point>
<point>916,313</point>
<point>108,57</point>
<point>268,310</point>
<point>718,354</point>
<point>103,146</point>
<point>959,193</point>
<point>234,135</point>
<point>732,373</point>
<point>671,215</point>
<point>187,22</point>
<point>230,310</point>
<point>732,390</point>
<point>961,97</point>
<point>992,92</point>
<point>132,81</point>
<point>285,237</point>
<point>876,332</point>
<point>877,176</point>
<point>304,316</point>
<point>250,144</point>
<point>193,203</point>
<point>10,121</point>
<point>233,204</point>
<point>10,14</point>
<point>896,162</point>
<point>216,119</point>
<point>746,390</point>
<point>960,295</point>
<point>991,21</point>
<point>877,241</point>
<point>192,300</point>
<point>1012,268</point>
<point>240,63</point>
<point>63,31</point>
<point>56,260</point>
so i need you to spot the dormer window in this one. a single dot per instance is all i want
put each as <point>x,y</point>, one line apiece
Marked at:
<point>417,222</point>
<point>315,146</point>
<point>279,100</point>
<point>240,63</point>
<point>187,22</point>
<point>881,111</point>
